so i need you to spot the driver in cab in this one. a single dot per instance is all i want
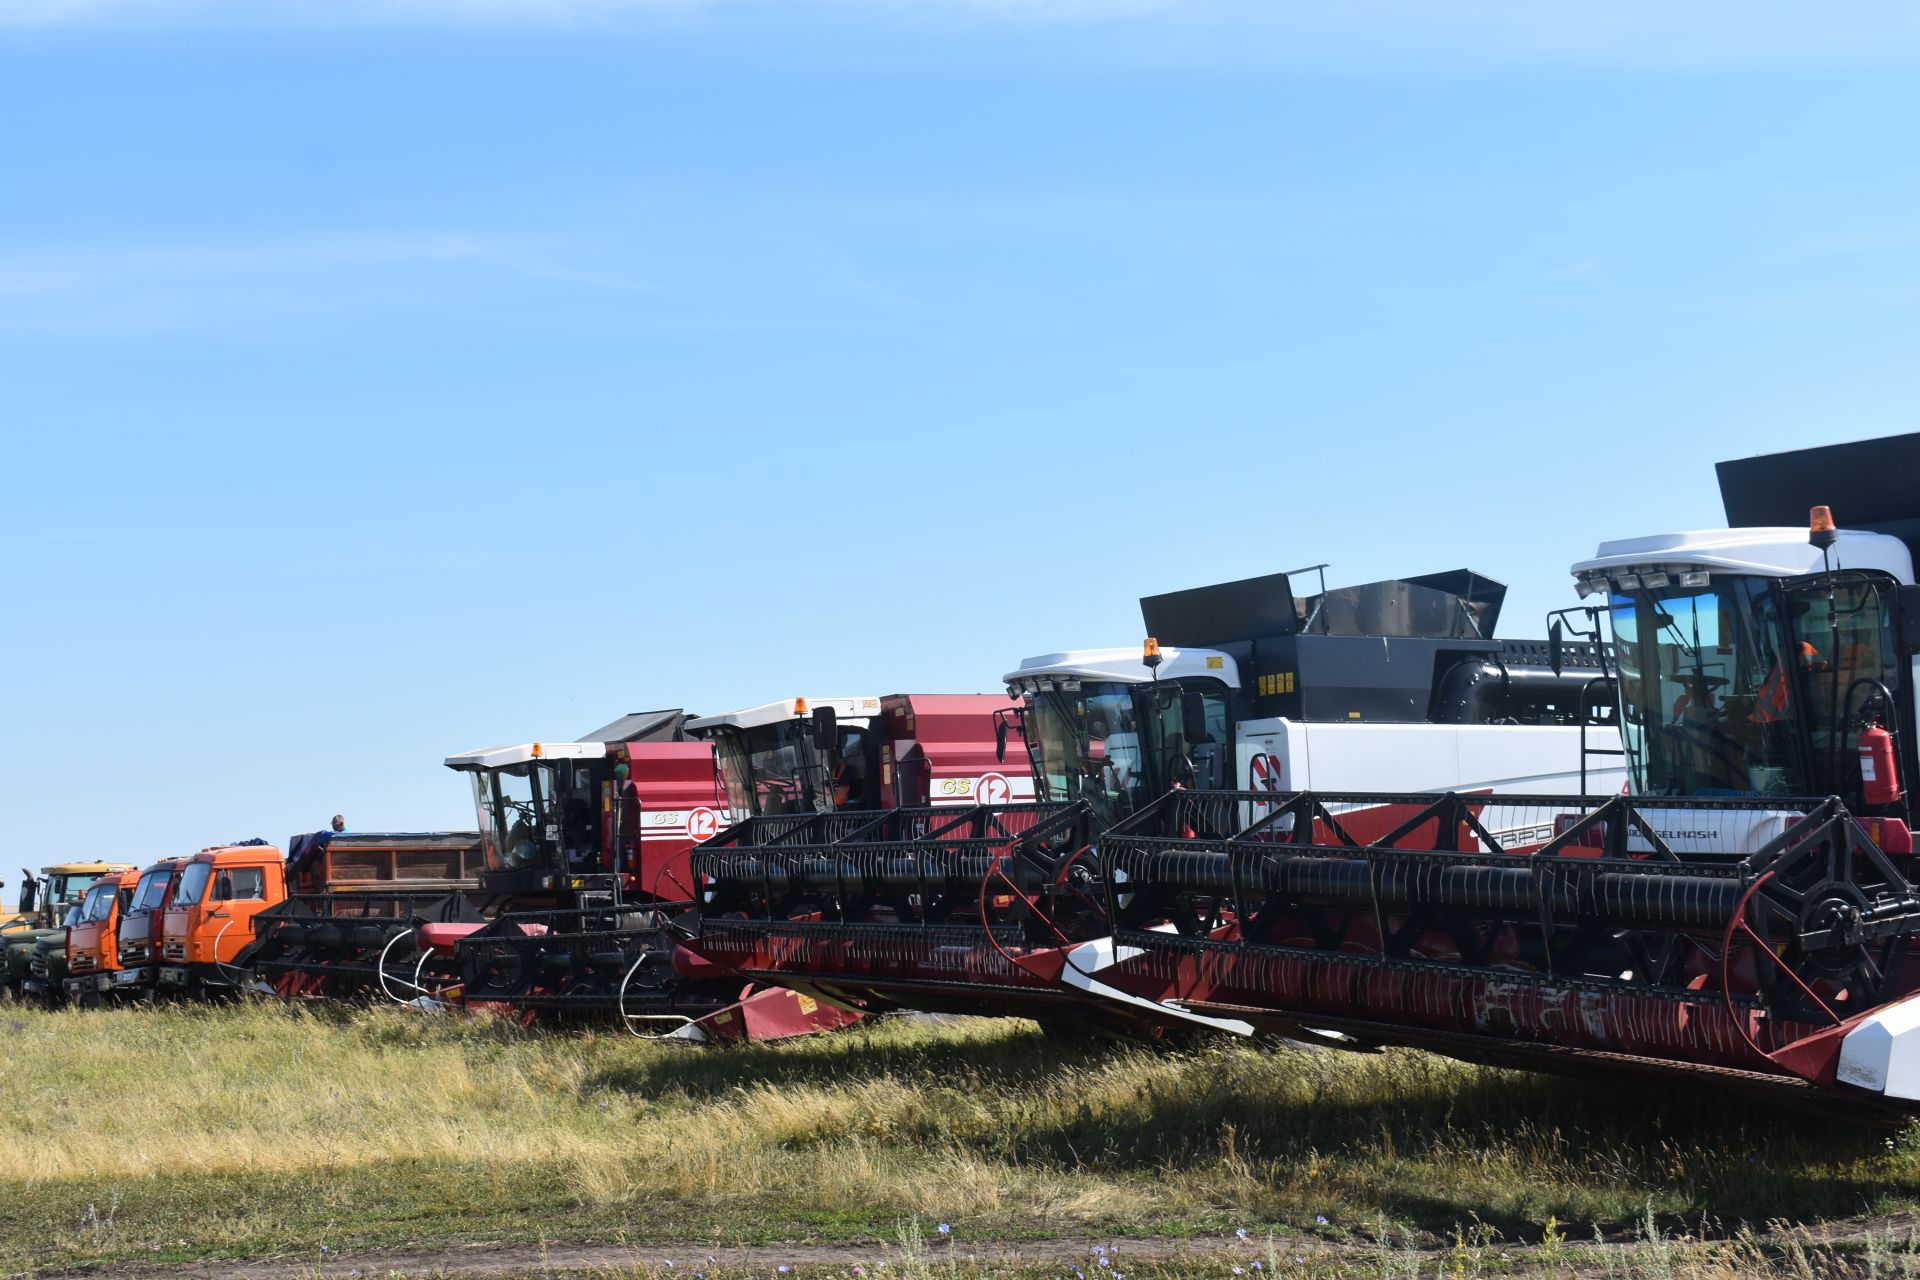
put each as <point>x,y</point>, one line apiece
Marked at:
<point>1770,702</point>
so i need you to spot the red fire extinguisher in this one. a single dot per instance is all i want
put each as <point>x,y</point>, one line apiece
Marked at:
<point>1879,772</point>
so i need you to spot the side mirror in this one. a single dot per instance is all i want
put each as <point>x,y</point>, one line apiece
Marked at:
<point>29,895</point>
<point>1000,739</point>
<point>1556,647</point>
<point>1193,717</point>
<point>826,728</point>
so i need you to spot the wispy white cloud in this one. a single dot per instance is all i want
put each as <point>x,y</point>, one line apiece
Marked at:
<point>1655,34</point>
<point>59,269</point>
<point>140,285</point>
<point>729,275</point>
<point>1615,33</point>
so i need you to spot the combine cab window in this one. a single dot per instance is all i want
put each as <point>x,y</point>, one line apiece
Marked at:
<point>851,784</point>
<point>768,769</point>
<point>573,794</point>
<point>1844,635</point>
<point>1746,687</point>
<point>1173,759</point>
<point>1707,699</point>
<point>519,817</point>
<point>1086,744</point>
<point>536,806</point>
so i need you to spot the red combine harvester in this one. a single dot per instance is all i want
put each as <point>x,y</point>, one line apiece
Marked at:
<point>614,952</point>
<point>1002,909</point>
<point>837,764</point>
<point>1746,913</point>
<point>585,847</point>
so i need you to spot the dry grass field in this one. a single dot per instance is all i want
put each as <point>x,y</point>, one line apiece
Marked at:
<point>144,1137</point>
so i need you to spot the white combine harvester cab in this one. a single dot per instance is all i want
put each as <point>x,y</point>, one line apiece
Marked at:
<point>1387,687</point>
<point>1775,659</point>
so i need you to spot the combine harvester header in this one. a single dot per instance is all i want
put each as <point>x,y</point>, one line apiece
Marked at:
<point>999,909</point>
<point>1746,912</point>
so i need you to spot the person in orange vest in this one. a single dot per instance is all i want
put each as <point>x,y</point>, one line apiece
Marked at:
<point>1770,703</point>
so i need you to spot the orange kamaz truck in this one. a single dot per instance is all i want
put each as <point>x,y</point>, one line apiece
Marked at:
<point>93,943</point>
<point>210,919</point>
<point>140,927</point>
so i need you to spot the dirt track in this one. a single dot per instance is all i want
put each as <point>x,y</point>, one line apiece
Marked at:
<point>519,1259</point>
<point>497,1259</point>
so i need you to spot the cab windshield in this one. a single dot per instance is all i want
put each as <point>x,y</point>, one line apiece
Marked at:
<point>770,768</point>
<point>151,891</point>
<point>65,890</point>
<point>1744,687</point>
<point>97,905</point>
<point>193,883</point>
<point>538,812</point>
<point>1084,738</point>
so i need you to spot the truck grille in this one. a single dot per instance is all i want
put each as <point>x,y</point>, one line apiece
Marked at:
<point>38,967</point>
<point>80,962</point>
<point>134,953</point>
<point>176,950</point>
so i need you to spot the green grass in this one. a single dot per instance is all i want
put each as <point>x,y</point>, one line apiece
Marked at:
<point>184,1132</point>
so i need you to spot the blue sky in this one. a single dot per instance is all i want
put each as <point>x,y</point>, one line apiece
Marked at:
<point>382,380</point>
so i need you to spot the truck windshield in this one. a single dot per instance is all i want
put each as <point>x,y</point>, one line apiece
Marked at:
<point>1737,688</point>
<point>1085,742</point>
<point>151,891</point>
<point>770,768</point>
<point>97,905</point>
<point>193,883</point>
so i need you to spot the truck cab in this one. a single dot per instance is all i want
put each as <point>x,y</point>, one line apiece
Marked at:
<point>210,918</point>
<point>140,926</point>
<point>93,943</point>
